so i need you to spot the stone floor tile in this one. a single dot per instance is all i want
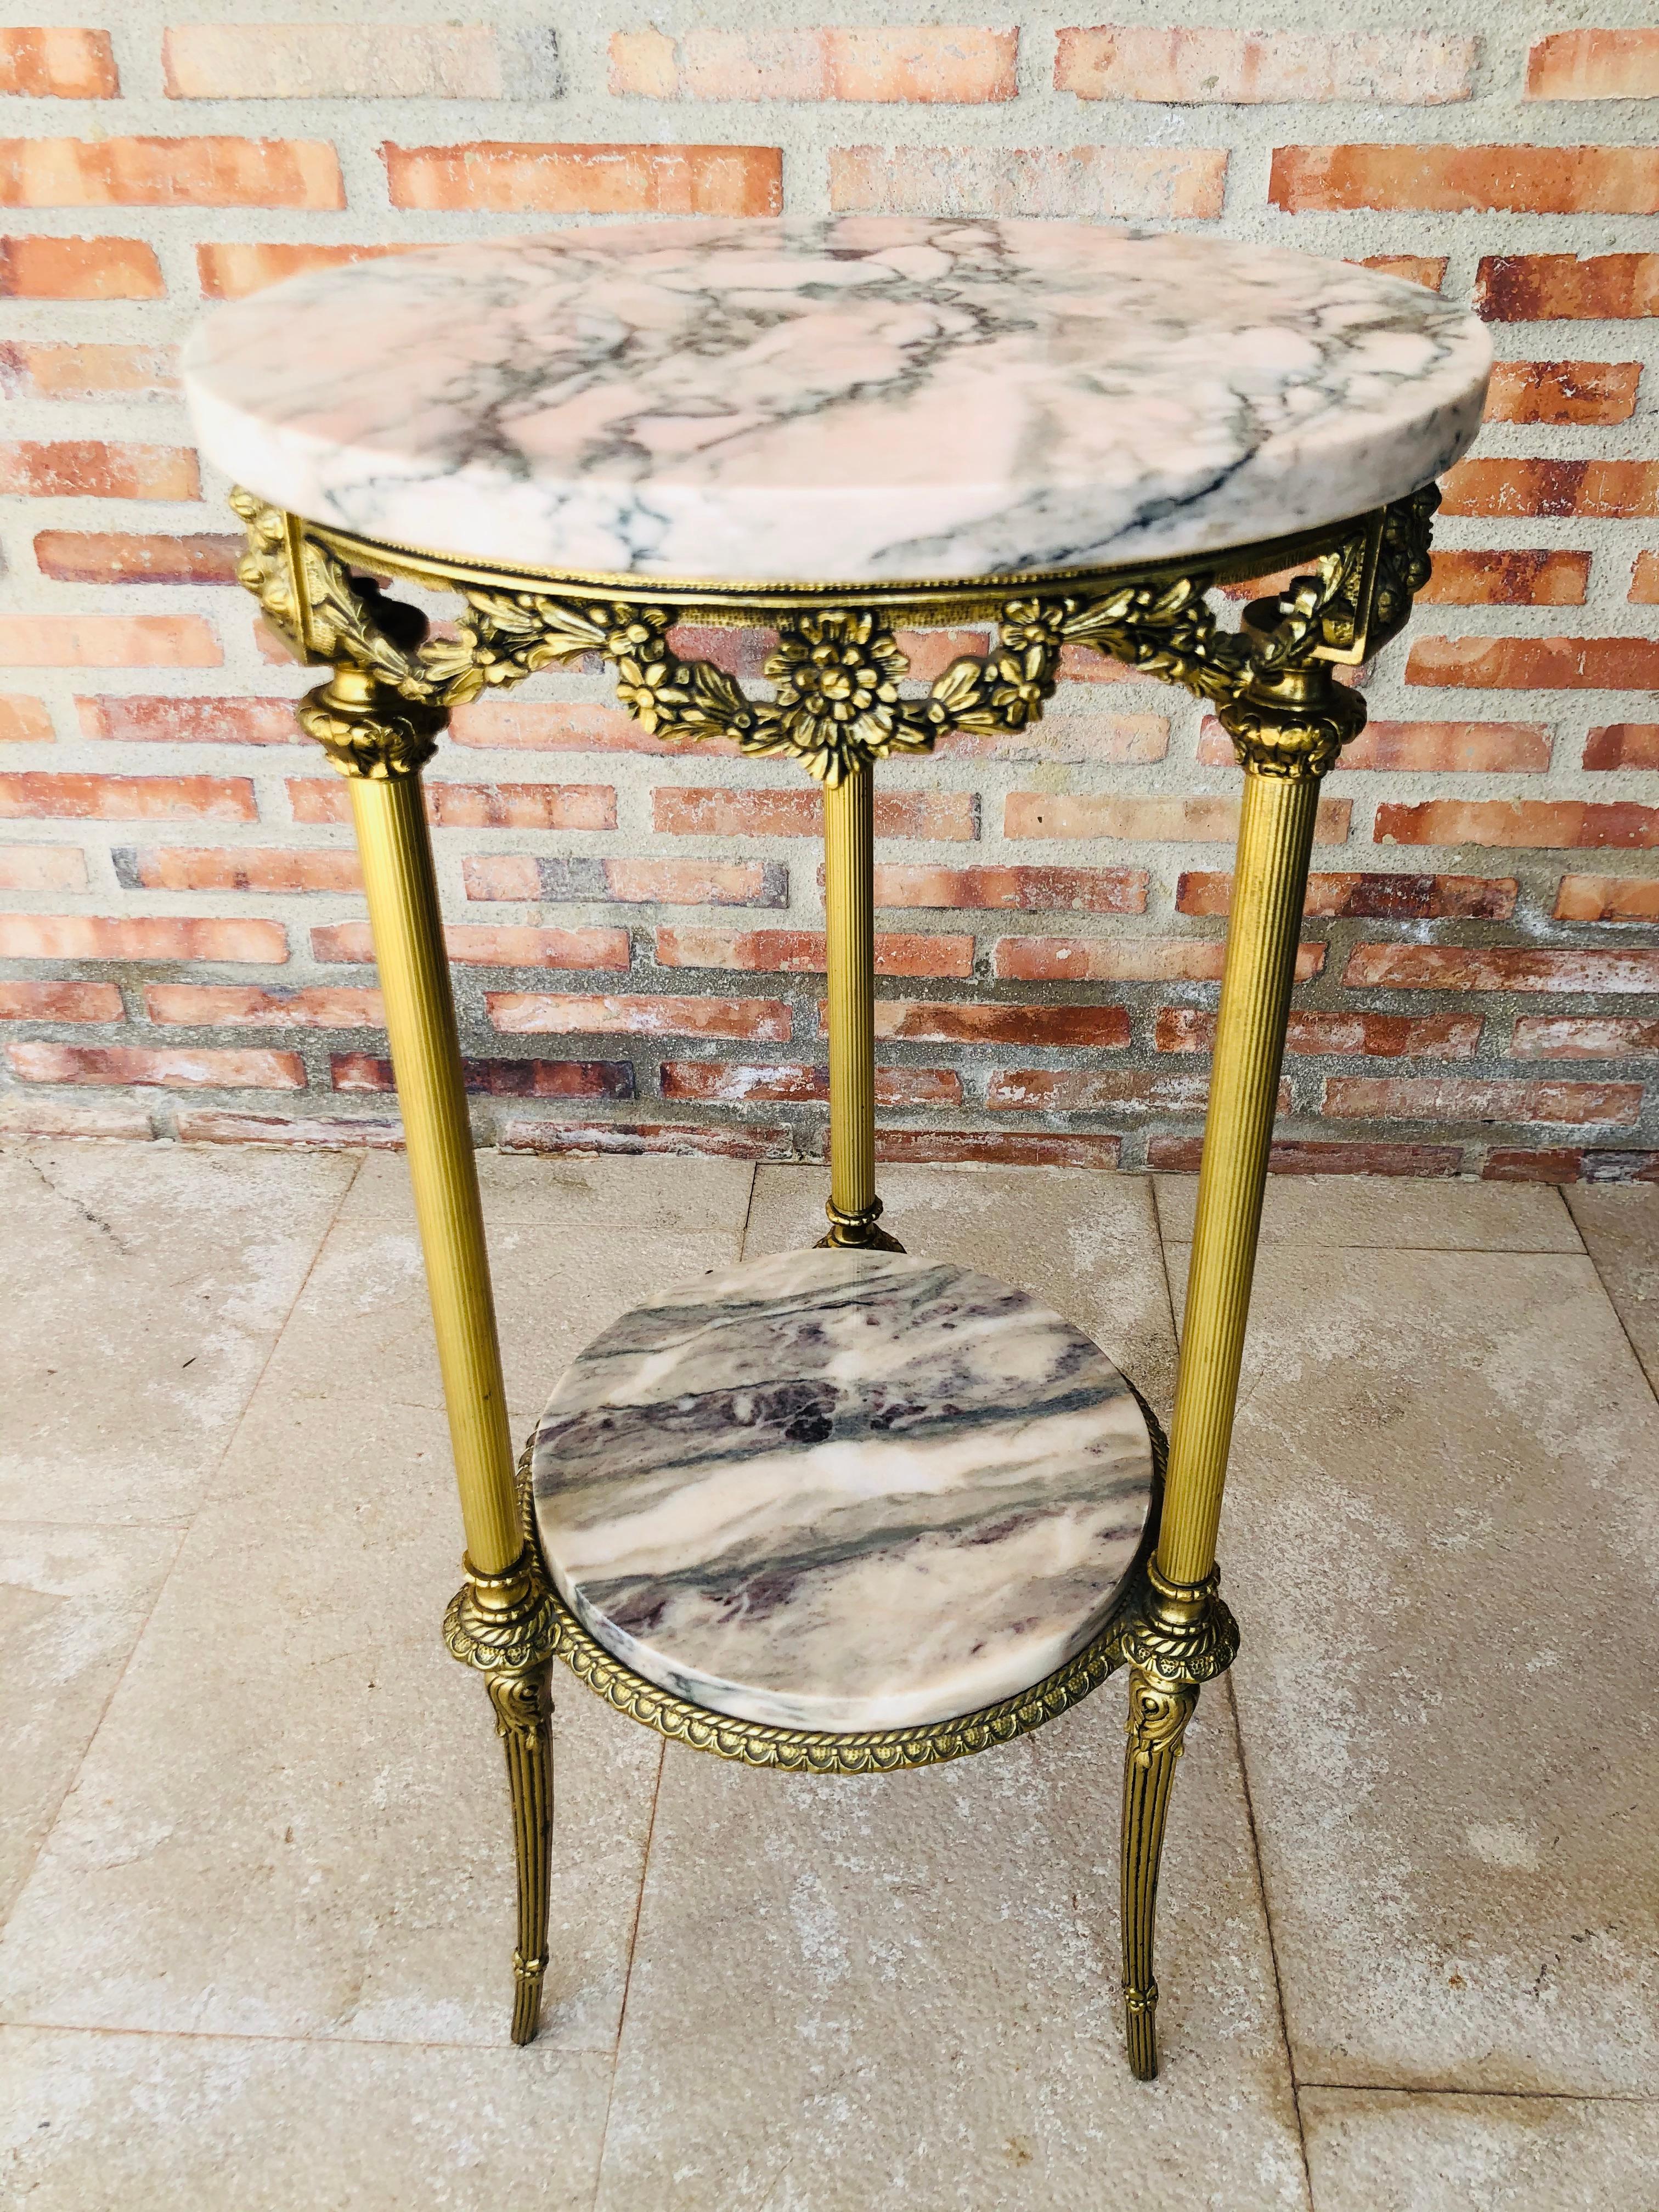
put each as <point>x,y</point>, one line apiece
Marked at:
<point>903,1991</point>
<point>1391,1212</point>
<point>1084,1240</point>
<point>143,1286</point>
<point>665,1196</point>
<point>72,1602</point>
<point>1371,2151</point>
<point>1442,1542</point>
<point>1621,1230</point>
<point>147,2123</point>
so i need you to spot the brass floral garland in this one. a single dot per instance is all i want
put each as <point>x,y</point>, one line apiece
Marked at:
<point>836,672</point>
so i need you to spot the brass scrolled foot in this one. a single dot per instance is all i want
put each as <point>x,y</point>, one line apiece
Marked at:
<point>504,1626</point>
<point>857,1231</point>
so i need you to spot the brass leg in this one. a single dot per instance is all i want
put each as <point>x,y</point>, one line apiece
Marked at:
<point>1188,1636</point>
<point>499,1622</point>
<point>850,955</point>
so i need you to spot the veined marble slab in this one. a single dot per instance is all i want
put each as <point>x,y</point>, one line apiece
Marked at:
<point>838,400</point>
<point>843,1490</point>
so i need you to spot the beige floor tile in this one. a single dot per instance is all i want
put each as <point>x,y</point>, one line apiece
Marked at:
<point>903,1991</point>
<point>1084,1240</point>
<point>1442,1542</point>
<point>1621,1230</point>
<point>1391,1212</point>
<point>663,1195</point>
<point>149,2123</point>
<point>143,1286</point>
<point>72,1602</point>
<point>1370,2151</point>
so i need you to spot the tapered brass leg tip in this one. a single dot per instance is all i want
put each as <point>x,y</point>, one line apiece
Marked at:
<point>1141,2019</point>
<point>526,1998</point>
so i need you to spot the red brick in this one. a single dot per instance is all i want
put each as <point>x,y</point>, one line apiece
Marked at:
<point>1471,1098</point>
<point>194,1070</point>
<point>1562,392</point>
<point>331,61</point>
<point>238,868</point>
<point>87,372</point>
<point>1100,1091</point>
<point>128,798</point>
<point>520,876</point>
<point>1377,1037</point>
<point>169,173</point>
<point>675,1140</point>
<point>24,720</point>
<point>1087,664</point>
<point>692,811</point>
<point>1537,288</point>
<point>1444,179</point>
<point>1610,490</point>
<point>526,1012</point>
<point>547,179</point>
<point>1514,822</point>
<point>79,269</point>
<point>1441,747</point>
<point>1562,1165</point>
<point>1193,67</point>
<point>136,718</point>
<point>1568,1037</point>
<point>315,1131</point>
<point>988,1148</point>
<point>478,946</point>
<point>534,726</point>
<point>60,1002</point>
<point>1537,664</point>
<point>720,1082</point>
<point>1532,577</point>
<point>1125,960</point>
<point>232,270</point>
<point>1428,270</point>
<point>1141,183</point>
<point>1607,898</point>
<point>1181,1154</point>
<point>43,63</point>
<point>1499,968</point>
<point>474,806</point>
<point>973,1022</point>
<point>800,951</point>
<point>1644,580</point>
<point>1594,65</point>
<point>1623,744</point>
<point>138,936</point>
<point>89,468</point>
<point>242,1006</point>
<point>42,868</point>
<point>125,556</point>
<point>1199,821</point>
<point>1083,891</point>
<point>1129,738</point>
<point>107,642</point>
<point>1370,897</point>
<point>499,1079</point>
<point>880,63</point>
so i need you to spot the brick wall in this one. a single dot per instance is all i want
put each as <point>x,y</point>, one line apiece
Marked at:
<point>637,930</point>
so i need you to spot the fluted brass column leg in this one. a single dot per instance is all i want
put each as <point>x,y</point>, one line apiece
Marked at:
<point>850,955</point>
<point>1187,1635</point>
<point>499,1621</point>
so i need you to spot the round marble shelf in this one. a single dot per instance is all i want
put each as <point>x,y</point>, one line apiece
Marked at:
<point>838,401</point>
<point>843,1490</point>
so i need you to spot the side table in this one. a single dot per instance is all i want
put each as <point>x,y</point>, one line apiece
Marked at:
<point>845,1510</point>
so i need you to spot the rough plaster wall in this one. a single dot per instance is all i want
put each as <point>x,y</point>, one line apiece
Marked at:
<point>1449,1118</point>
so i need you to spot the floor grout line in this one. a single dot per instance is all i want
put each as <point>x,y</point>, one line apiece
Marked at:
<point>184,1528</point>
<point>312,2042</point>
<point>1606,1292</point>
<point>628,1975</point>
<point>748,1214</point>
<point>1507,2096</point>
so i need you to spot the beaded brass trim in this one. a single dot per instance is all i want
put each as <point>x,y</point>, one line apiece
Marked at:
<point>818,1750</point>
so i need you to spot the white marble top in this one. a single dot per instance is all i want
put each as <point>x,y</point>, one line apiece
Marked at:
<point>842,1489</point>
<point>835,401</point>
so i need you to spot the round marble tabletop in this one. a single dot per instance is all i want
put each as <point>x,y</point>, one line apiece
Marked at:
<point>838,401</point>
<point>843,1490</point>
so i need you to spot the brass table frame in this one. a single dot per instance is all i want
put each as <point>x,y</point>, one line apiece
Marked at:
<point>838,705</point>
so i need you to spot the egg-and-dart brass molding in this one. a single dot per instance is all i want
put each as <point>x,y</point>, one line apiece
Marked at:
<point>837,669</point>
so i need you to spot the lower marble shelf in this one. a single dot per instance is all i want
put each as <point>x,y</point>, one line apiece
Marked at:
<point>843,1490</point>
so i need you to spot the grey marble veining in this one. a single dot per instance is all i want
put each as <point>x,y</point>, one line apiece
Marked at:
<point>842,1489</point>
<point>839,400</point>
